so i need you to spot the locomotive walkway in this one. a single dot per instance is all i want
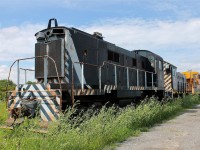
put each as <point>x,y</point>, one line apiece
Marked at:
<point>180,133</point>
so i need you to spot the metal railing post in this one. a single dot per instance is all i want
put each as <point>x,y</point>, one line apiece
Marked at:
<point>100,79</point>
<point>25,76</point>
<point>18,72</point>
<point>25,73</point>
<point>137,77</point>
<point>82,73</point>
<point>127,72</point>
<point>45,70</point>
<point>145,75</point>
<point>115,76</point>
<point>72,86</point>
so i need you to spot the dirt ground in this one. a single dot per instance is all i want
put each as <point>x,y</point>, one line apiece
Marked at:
<point>180,133</point>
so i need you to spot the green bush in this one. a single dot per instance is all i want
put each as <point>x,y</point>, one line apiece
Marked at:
<point>3,85</point>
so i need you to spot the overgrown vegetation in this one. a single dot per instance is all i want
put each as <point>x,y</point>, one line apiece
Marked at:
<point>92,131</point>
<point>3,112</point>
<point>3,84</point>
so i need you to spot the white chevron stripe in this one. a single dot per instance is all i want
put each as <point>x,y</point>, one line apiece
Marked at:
<point>66,79</point>
<point>168,88</point>
<point>168,82</point>
<point>42,89</point>
<point>88,92</point>
<point>16,101</point>
<point>69,45</point>
<point>43,116</point>
<point>105,88</point>
<point>44,105</point>
<point>166,77</point>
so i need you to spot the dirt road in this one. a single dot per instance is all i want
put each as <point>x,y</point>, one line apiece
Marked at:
<point>180,133</point>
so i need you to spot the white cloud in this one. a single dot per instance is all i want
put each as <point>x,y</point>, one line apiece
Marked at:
<point>175,41</point>
<point>4,71</point>
<point>180,8</point>
<point>17,42</point>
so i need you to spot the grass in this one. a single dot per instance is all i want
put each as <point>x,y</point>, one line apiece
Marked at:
<point>92,131</point>
<point>3,111</point>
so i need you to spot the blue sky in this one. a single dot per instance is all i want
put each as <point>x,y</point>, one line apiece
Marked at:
<point>170,28</point>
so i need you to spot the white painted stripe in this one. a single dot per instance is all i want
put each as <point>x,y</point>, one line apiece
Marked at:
<point>104,88</point>
<point>47,110</point>
<point>58,100</point>
<point>167,83</point>
<point>66,79</point>
<point>42,89</point>
<point>88,92</point>
<point>92,92</point>
<point>67,64</point>
<point>43,116</point>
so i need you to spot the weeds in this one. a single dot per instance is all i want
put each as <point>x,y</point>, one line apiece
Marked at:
<point>3,111</point>
<point>90,130</point>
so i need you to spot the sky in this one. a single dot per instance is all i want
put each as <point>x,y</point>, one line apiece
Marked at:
<point>169,28</point>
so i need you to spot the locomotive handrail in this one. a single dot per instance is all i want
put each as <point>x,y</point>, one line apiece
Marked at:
<point>18,60</point>
<point>25,69</point>
<point>115,65</point>
<point>86,64</point>
<point>125,67</point>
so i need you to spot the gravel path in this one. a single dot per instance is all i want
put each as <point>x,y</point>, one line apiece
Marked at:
<point>180,133</point>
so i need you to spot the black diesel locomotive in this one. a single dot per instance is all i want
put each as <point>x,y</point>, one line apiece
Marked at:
<point>72,65</point>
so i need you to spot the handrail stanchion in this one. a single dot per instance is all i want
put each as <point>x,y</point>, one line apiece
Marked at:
<point>45,70</point>
<point>127,72</point>
<point>137,77</point>
<point>25,76</point>
<point>115,76</point>
<point>25,73</point>
<point>72,86</point>
<point>145,75</point>
<point>100,79</point>
<point>18,72</point>
<point>82,74</point>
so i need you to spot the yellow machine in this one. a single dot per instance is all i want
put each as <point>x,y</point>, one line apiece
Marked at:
<point>193,81</point>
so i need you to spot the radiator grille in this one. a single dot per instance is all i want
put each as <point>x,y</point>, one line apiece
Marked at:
<point>55,51</point>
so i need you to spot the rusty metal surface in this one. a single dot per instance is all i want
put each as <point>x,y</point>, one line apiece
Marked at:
<point>9,122</point>
<point>6,127</point>
<point>44,124</point>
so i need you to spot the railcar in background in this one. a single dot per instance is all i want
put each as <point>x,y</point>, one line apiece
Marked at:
<point>193,81</point>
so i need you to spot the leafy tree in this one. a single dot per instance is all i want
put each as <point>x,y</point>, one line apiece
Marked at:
<point>3,85</point>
